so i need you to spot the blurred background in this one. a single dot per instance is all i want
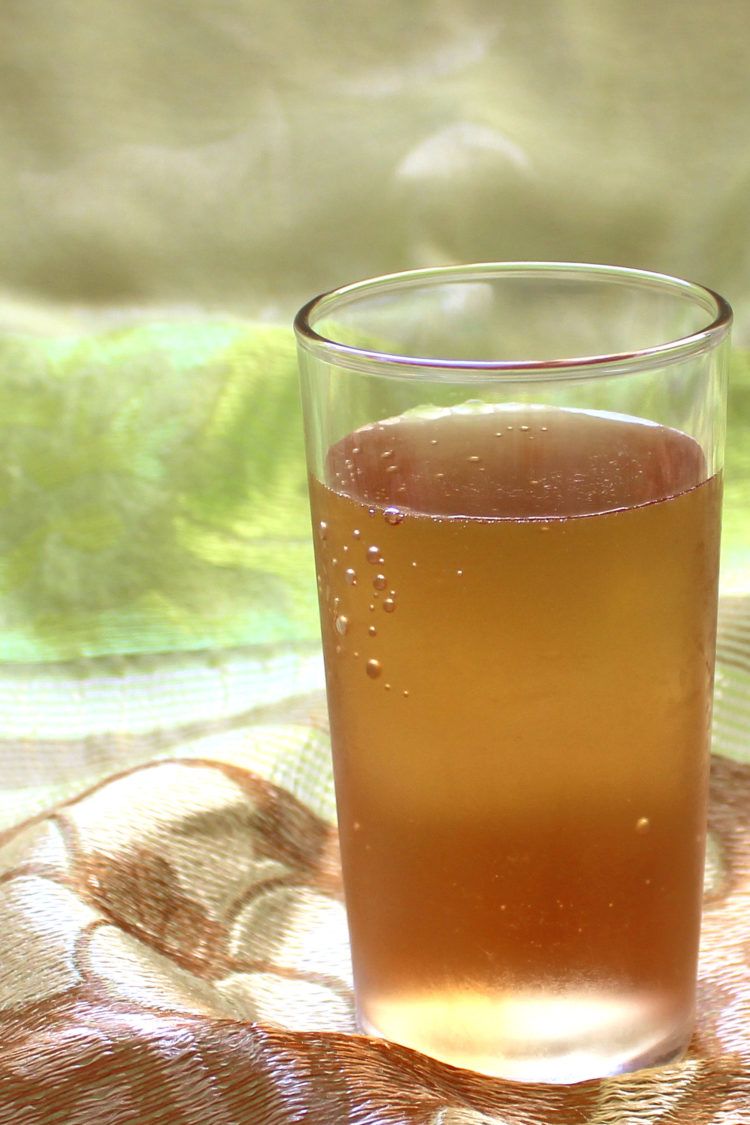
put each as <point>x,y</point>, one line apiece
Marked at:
<point>177,178</point>
<point>242,155</point>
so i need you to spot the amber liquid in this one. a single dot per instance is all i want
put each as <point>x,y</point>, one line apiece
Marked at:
<point>518,611</point>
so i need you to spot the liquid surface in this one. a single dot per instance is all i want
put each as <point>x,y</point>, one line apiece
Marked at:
<point>518,614</point>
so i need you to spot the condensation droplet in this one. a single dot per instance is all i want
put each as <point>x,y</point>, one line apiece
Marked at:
<point>473,459</point>
<point>392,469</point>
<point>509,427</point>
<point>342,624</point>
<point>355,449</point>
<point>386,454</point>
<point>389,605</point>
<point>543,429</point>
<point>524,429</point>
<point>460,573</point>
<point>371,511</point>
<point>334,562</point>
<point>371,607</point>
<point>323,529</point>
<point>393,516</point>
<point>372,631</point>
<point>387,687</point>
<point>439,476</point>
<point>380,582</point>
<point>336,603</point>
<point>351,576</point>
<point>346,548</point>
<point>406,693</point>
<point>433,441</point>
<point>642,825</point>
<point>373,554</point>
<point>356,534</point>
<point>413,564</point>
<point>373,669</point>
<point>355,654</point>
<point>498,433</point>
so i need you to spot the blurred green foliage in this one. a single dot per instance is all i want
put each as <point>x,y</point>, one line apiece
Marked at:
<point>153,491</point>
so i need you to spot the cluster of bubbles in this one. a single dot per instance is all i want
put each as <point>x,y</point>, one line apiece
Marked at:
<point>374,556</point>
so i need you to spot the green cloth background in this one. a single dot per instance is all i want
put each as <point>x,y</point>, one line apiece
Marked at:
<point>191,173</point>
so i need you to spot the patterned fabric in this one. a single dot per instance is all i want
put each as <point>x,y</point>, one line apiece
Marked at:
<point>175,944</point>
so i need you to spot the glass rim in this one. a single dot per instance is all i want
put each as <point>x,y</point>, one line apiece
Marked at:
<point>398,365</point>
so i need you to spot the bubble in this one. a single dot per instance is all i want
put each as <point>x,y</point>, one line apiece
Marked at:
<point>334,562</point>
<point>355,449</point>
<point>406,693</point>
<point>525,429</point>
<point>498,433</point>
<point>439,476</point>
<point>387,687</point>
<point>372,631</point>
<point>356,534</point>
<point>346,549</point>
<point>389,605</point>
<point>355,653</point>
<point>342,624</point>
<point>372,555</point>
<point>393,516</point>
<point>460,573</point>
<point>392,469</point>
<point>380,582</point>
<point>371,607</point>
<point>642,825</point>
<point>544,429</point>
<point>371,511</point>
<point>473,459</point>
<point>413,563</point>
<point>323,529</point>
<point>373,669</point>
<point>336,603</point>
<point>351,576</point>
<point>509,427</point>
<point>433,441</point>
<point>386,454</point>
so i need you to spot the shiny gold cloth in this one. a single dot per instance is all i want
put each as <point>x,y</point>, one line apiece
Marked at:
<point>174,944</point>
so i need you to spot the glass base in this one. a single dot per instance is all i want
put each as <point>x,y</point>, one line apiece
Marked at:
<point>534,1038</point>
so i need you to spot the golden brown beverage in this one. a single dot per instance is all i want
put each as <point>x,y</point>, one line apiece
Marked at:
<point>518,610</point>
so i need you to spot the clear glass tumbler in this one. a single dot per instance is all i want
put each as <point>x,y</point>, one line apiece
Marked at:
<point>515,480</point>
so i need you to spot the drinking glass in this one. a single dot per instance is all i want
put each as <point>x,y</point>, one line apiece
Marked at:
<point>515,482</point>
